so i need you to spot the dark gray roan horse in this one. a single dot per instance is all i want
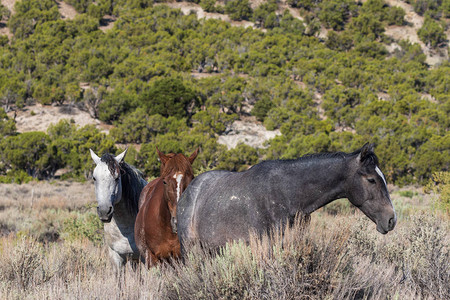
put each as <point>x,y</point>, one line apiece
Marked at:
<point>219,206</point>
<point>117,189</point>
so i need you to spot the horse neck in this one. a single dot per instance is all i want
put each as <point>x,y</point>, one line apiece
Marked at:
<point>122,212</point>
<point>163,205</point>
<point>132,185</point>
<point>317,182</point>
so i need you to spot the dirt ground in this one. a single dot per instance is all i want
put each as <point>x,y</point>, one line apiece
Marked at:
<point>39,117</point>
<point>66,10</point>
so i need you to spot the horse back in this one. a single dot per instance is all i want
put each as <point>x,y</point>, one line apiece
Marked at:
<point>222,206</point>
<point>189,201</point>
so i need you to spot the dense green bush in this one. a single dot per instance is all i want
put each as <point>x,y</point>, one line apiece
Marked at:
<point>238,159</point>
<point>7,126</point>
<point>335,14</point>
<point>169,97</point>
<point>431,32</point>
<point>432,7</point>
<point>30,14</point>
<point>70,146</point>
<point>238,9</point>
<point>28,152</point>
<point>40,155</point>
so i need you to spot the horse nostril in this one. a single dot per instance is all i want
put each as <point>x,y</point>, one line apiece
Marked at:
<point>392,222</point>
<point>110,210</point>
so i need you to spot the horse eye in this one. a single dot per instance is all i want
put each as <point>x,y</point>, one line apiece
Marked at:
<point>371,180</point>
<point>94,178</point>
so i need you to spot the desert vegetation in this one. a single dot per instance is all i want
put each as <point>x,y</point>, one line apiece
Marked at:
<point>51,247</point>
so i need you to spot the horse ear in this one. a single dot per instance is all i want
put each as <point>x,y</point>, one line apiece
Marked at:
<point>94,157</point>
<point>162,156</point>
<point>193,156</point>
<point>366,150</point>
<point>119,158</point>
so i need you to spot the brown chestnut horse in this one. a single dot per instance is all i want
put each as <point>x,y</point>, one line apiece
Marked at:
<point>155,229</point>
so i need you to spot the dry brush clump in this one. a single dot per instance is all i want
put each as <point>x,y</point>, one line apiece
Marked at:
<point>26,264</point>
<point>346,259</point>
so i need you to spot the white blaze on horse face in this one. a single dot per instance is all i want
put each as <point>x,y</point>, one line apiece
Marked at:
<point>178,177</point>
<point>381,175</point>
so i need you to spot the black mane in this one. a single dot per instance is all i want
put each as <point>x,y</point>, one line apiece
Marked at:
<point>370,157</point>
<point>312,157</point>
<point>132,181</point>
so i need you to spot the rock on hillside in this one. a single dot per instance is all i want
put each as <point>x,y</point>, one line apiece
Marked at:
<point>247,132</point>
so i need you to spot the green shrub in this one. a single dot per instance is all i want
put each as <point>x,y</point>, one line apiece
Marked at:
<point>395,16</point>
<point>28,152</point>
<point>238,9</point>
<point>7,126</point>
<point>238,159</point>
<point>208,5</point>
<point>15,176</point>
<point>31,13</point>
<point>334,14</point>
<point>82,226</point>
<point>407,194</point>
<point>440,184</point>
<point>169,97</point>
<point>431,32</point>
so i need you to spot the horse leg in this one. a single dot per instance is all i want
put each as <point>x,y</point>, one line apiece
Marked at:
<point>117,260</point>
<point>150,259</point>
<point>135,263</point>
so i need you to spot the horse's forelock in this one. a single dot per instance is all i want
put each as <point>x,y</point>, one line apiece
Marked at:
<point>113,165</point>
<point>131,178</point>
<point>369,159</point>
<point>177,163</point>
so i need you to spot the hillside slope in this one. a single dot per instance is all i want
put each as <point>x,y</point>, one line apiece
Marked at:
<point>323,76</point>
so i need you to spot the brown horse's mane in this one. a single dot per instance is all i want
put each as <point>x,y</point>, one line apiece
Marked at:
<point>176,163</point>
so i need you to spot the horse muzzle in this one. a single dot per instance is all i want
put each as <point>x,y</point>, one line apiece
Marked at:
<point>105,215</point>
<point>384,227</point>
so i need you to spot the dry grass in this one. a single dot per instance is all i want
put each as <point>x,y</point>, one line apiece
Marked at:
<point>47,194</point>
<point>337,257</point>
<point>42,209</point>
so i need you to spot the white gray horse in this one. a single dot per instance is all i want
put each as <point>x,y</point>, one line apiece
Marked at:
<point>117,189</point>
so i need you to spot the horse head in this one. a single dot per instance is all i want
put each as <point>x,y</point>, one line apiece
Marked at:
<point>177,173</point>
<point>367,190</point>
<point>108,184</point>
